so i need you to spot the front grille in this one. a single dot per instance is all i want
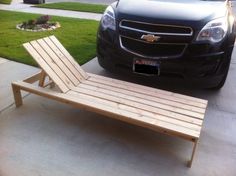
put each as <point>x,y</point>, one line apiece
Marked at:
<point>156,28</point>
<point>172,42</point>
<point>152,50</point>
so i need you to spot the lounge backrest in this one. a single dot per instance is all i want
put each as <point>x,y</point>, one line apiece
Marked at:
<point>55,60</point>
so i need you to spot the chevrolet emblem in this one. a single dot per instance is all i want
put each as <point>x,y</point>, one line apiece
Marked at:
<point>150,38</point>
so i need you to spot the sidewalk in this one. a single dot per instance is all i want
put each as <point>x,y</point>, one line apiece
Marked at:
<point>9,71</point>
<point>20,7</point>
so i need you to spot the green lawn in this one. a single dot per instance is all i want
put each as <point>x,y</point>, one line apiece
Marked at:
<point>5,1</point>
<point>78,36</point>
<point>75,6</point>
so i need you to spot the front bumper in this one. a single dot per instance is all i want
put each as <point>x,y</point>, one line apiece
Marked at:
<point>194,67</point>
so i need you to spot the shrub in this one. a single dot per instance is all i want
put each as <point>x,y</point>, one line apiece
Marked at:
<point>40,23</point>
<point>43,19</point>
<point>31,22</point>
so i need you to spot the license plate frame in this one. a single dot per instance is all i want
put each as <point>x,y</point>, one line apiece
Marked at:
<point>148,67</point>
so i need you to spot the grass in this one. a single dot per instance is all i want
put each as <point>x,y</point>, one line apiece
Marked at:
<point>5,1</point>
<point>75,6</point>
<point>78,36</point>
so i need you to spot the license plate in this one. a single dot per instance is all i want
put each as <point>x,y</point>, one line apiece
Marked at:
<point>146,66</point>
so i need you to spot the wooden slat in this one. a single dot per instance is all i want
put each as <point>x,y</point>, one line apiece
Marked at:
<point>58,62</point>
<point>180,98</point>
<point>64,59</point>
<point>69,57</point>
<point>156,97</point>
<point>62,86</point>
<point>158,93</point>
<point>132,93</point>
<point>51,64</point>
<point>186,104</point>
<point>134,101</point>
<point>138,112</point>
<point>117,113</point>
<point>135,107</point>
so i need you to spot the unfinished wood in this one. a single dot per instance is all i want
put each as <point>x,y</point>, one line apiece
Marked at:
<point>135,102</point>
<point>17,95</point>
<point>65,70</point>
<point>150,89</point>
<point>166,99</point>
<point>159,97</point>
<point>70,68</point>
<point>153,99</point>
<point>132,93</point>
<point>42,78</point>
<point>193,153</point>
<point>52,64</point>
<point>136,108</point>
<point>62,86</point>
<point>151,104</point>
<point>158,110</point>
<point>69,57</point>
<point>178,101</point>
<point>116,113</point>
<point>33,78</point>
<point>133,107</point>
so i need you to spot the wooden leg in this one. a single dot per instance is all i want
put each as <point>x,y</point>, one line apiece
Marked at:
<point>42,78</point>
<point>17,95</point>
<point>193,153</point>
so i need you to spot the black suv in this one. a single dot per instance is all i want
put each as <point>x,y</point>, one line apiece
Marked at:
<point>188,39</point>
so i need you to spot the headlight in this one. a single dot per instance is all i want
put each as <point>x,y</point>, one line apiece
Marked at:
<point>108,19</point>
<point>214,31</point>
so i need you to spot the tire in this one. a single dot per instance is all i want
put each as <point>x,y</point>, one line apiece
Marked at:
<point>222,82</point>
<point>40,1</point>
<point>104,65</point>
<point>33,1</point>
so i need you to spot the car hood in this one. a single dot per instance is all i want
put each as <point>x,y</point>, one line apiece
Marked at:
<point>195,13</point>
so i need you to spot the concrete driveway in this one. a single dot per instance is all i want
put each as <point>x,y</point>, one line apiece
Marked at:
<point>44,137</point>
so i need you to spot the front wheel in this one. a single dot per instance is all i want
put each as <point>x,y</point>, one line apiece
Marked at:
<point>222,82</point>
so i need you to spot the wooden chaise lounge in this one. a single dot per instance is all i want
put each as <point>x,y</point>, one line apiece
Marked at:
<point>166,112</point>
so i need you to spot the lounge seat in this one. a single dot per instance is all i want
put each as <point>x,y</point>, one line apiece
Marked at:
<point>163,111</point>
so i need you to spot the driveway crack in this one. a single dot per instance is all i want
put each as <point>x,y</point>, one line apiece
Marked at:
<point>12,104</point>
